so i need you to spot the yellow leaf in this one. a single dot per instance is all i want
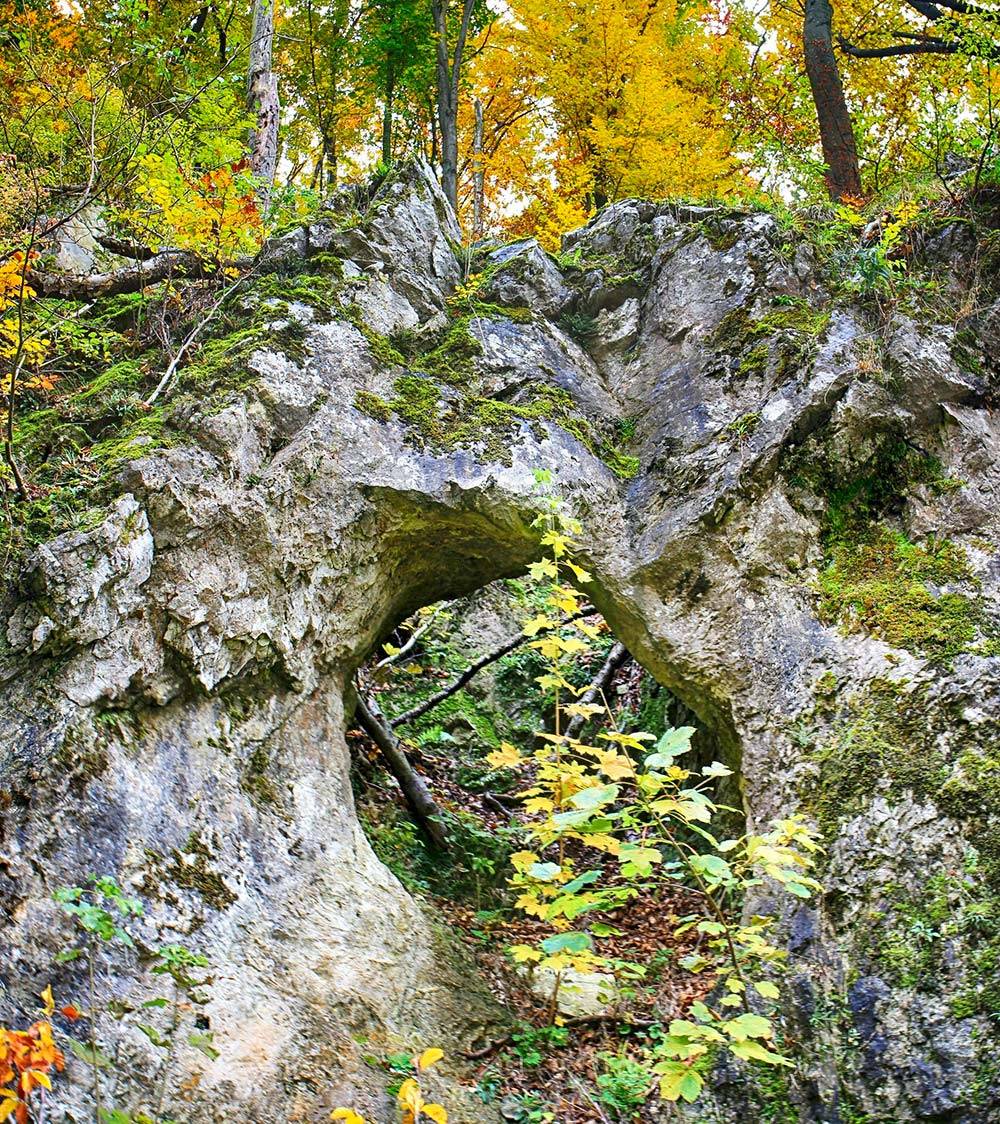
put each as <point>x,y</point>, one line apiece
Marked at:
<point>348,1115</point>
<point>521,860</point>
<point>536,624</point>
<point>546,568</point>
<point>428,1058</point>
<point>409,1096</point>
<point>524,954</point>
<point>50,1003</point>
<point>506,757</point>
<point>436,1113</point>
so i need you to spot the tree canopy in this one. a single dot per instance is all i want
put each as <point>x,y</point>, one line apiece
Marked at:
<point>144,109</point>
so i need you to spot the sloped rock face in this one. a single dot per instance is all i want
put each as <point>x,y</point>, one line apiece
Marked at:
<point>175,679</point>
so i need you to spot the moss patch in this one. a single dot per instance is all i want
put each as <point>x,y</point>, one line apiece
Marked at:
<point>191,869</point>
<point>437,422</point>
<point>892,588</point>
<point>71,445</point>
<point>883,742</point>
<point>784,340</point>
<point>255,781</point>
<point>894,742</point>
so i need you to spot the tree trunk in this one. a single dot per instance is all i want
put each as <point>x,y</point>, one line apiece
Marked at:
<point>262,98</point>
<point>478,174</point>
<point>387,120</point>
<point>415,791</point>
<point>835,129</point>
<point>449,72</point>
<point>601,684</point>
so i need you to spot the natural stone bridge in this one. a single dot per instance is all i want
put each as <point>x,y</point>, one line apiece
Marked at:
<point>174,681</point>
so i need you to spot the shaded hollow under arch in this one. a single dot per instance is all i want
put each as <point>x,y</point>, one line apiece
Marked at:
<point>681,704</point>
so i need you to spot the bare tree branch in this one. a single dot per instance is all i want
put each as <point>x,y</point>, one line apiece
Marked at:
<point>414,788</point>
<point>473,670</point>
<point>617,658</point>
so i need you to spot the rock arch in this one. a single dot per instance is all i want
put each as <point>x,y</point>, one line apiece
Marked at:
<point>175,677</point>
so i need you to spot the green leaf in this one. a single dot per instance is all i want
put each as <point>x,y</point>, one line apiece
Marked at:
<point>567,942</point>
<point>154,1036</point>
<point>755,1052</point>
<point>748,1026</point>
<point>203,1042</point>
<point>675,740</point>
<point>593,798</point>
<point>712,867</point>
<point>690,1086</point>
<point>798,889</point>
<point>571,819</point>
<point>767,989</point>
<point>716,769</point>
<point>600,929</point>
<point>544,872</point>
<point>88,1053</point>
<point>582,880</point>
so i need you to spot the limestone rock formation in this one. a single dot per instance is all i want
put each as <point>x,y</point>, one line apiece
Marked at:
<point>756,467</point>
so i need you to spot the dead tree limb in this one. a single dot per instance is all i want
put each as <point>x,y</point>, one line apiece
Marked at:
<point>617,658</point>
<point>471,671</point>
<point>418,796</point>
<point>168,263</point>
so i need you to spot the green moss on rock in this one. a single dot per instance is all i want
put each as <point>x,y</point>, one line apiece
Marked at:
<point>255,780</point>
<point>464,420</point>
<point>892,588</point>
<point>882,743</point>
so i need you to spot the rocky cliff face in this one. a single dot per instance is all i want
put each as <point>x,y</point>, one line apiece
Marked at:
<point>757,468</point>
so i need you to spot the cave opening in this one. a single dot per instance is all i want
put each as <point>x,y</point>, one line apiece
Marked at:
<point>456,679</point>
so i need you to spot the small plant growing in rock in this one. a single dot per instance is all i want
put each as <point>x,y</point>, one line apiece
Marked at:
<point>101,912</point>
<point>624,1085</point>
<point>409,1098</point>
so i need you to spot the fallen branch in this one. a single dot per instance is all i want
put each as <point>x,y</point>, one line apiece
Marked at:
<point>617,658</point>
<point>415,791</point>
<point>168,263</point>
<point>491,802</point>
<point>123,248</point>
<point>472,670</point>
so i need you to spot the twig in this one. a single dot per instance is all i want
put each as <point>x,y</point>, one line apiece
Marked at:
<point>191,337</point>
<point>410,644</point>
<point>472,670</point>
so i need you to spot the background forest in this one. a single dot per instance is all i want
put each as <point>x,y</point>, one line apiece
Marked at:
<point>189,132</point>
<point>537,113</point>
